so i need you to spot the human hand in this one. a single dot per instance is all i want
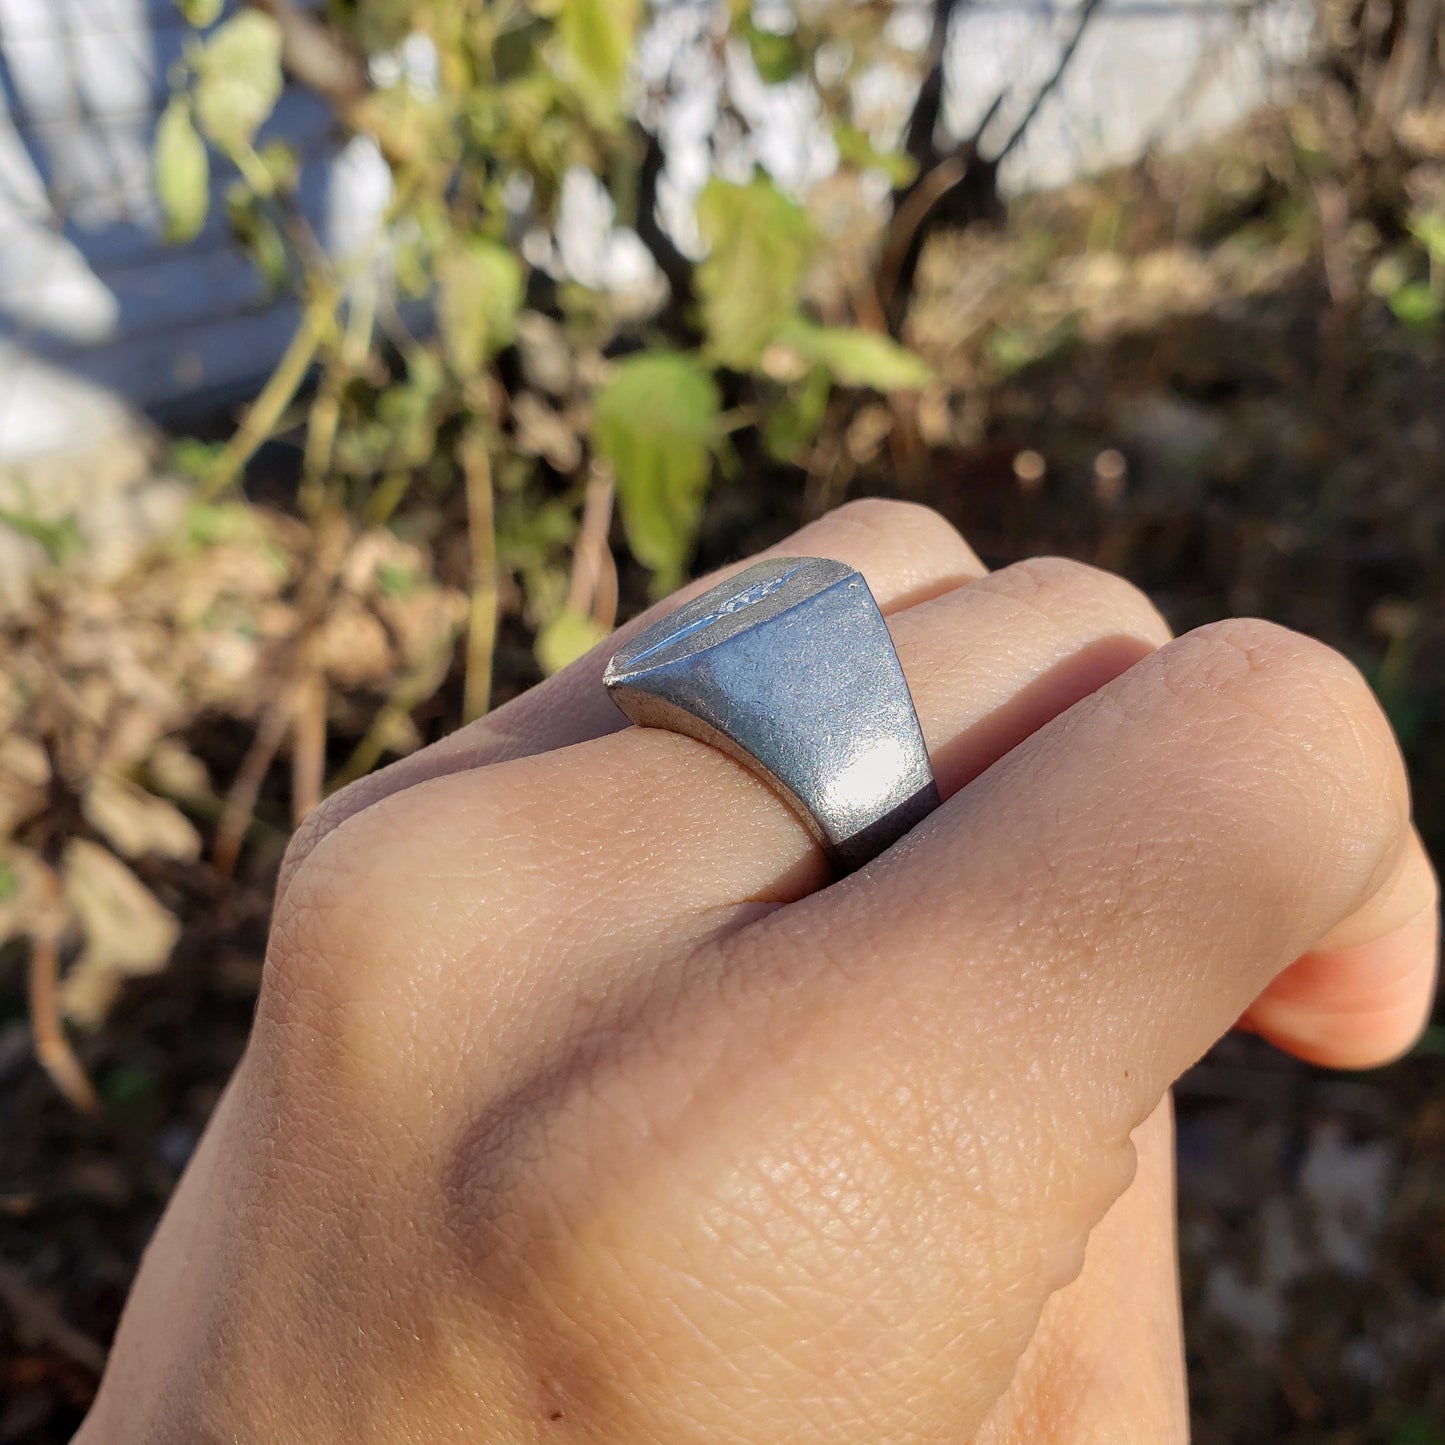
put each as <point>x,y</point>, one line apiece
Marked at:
<point>578,1107</point>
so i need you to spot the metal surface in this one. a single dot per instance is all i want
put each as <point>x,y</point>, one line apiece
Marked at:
<point>788,667</point>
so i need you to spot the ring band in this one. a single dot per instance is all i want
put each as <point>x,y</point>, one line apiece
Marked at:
<point>789,668</point>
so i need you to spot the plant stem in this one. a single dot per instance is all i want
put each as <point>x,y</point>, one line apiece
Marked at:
<point>275,397</point>
<point>52,1048</point>
<point>482,625</point>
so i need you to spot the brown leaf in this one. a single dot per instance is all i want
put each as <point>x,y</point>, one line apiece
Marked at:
<point>128,932</point>
<point>136,823</point>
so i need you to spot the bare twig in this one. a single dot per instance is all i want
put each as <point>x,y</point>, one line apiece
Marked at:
<point>308,745</point>
<point>317,55</point>
<point>244,791</point>
<point>919,140</point>
<point>673,264</point>
<point>919,207</point>
<point>410,690</point>
<point>52,1048</point>
<point>38,1319</point>
<point>476,463</point>
<point>1405,80</point>
<point>281,716</point>
<point>275,397</point>
<point>592,589</point>
<point>1086,14</point>
<point>910,215</point>
<point>325,413</point>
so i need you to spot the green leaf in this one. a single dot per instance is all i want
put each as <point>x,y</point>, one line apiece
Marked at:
<point>195,459</point>
<point>655,421</point>
<point>792,422</point>
<point>855,357</point>
<point>480,290</point>
<point>596,38</point>
<point>1429,230</point>
<point>856,150</point>
<point>567,637</point>
<point>778,57</point>
<point>761,243</point>
<point>183,173</point>
<point>253,225</point>
<point>1417,305</point>
<point>201,13</point>
<point>238,80</point>
<point>61,539</point>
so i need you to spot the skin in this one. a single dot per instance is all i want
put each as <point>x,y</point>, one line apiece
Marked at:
<point>580,1107</point>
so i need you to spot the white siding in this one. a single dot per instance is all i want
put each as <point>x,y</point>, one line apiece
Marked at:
<point>87,289</point>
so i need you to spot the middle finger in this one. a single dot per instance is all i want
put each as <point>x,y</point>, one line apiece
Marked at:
<point>587,869</point>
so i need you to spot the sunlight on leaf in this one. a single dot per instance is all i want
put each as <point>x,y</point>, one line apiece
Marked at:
<point>201,13</point>
<point>855,357</point>
<point>567,637</point>
<point>238,80</point>
<point>480,290</point>
<point>595,37</point>
<point>183,173</point>
<point>655,422</point>
<point>761,243</point>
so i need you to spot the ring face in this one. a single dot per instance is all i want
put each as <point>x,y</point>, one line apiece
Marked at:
<point>789,668</point>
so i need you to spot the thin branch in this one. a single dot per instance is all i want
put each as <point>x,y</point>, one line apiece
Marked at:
<point>592,589</point>
<point>37,1318</point>
<point>317,55</point>
<point>675,266</point>
<point>482,625</point>
<point>308,743</point>
<point>276,396</point>
<point>915,211</point>
<point>283,714</point>
<point>1086,14</point>
<point>919,137</point>
<point>411,689</point>
<point>52,1048</point>
<point>246,788</point>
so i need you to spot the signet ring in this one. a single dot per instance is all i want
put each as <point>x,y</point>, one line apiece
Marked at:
<point>789,668</point>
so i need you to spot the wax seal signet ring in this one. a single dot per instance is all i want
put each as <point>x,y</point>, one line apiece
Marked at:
<point>789,668</point>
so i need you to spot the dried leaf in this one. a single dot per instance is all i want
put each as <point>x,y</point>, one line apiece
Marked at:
<point>23,894</point>
<point>136,823</point>
<point>24,778</point>
<point>128,932</point>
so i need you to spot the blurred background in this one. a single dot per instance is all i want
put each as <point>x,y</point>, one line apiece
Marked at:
<point>363,361</point>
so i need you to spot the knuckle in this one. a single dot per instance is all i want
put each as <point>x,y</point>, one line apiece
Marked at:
<point>881,518</point>
<point>327,816</point>
<point>1063,584</point>
<point>1312,719</point>
<point>334,938</point>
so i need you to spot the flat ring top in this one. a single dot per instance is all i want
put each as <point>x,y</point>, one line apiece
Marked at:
<point>789,668</point>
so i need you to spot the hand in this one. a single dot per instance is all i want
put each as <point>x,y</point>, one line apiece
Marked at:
<point>578,1107</point>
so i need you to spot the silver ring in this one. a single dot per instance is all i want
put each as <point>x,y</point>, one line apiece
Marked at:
<point>788,667</point>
